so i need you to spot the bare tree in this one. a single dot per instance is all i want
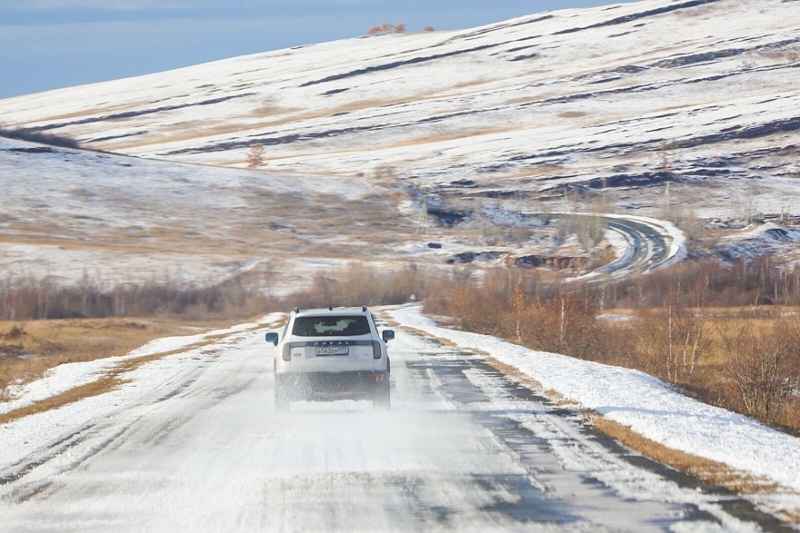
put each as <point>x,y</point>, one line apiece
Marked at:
<point>386,28</point>
<point>255,157</point>
<point>764,366</point>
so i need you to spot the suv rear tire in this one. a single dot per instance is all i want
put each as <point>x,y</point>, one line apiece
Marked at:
<point>382,396</point>
<point>281,398</point>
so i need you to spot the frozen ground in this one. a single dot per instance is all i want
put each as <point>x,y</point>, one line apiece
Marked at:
<point>651,408</point>
<point>608,105</point>
<point>656,108</point>
<point>191,442</point>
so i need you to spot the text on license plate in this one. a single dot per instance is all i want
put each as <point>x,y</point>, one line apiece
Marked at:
<point>332,350</point>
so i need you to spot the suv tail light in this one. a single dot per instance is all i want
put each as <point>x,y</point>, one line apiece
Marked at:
<point>376,350</point>
<point>287,351</point>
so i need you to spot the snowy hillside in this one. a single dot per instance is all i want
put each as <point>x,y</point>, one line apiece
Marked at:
<point>702,94</point>
<point>640,111</point>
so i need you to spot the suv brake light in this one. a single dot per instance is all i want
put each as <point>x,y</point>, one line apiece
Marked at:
<point>376,350</point>
<point>287,351</point>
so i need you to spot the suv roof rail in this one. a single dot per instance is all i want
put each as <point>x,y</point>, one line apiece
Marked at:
<point>296,310</point>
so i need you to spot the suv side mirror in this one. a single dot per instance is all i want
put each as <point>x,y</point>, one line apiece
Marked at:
<point>387,335</point>
<point>272,337</point>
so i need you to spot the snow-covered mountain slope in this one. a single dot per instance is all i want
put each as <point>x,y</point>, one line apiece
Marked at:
<point>699,93</point>
<point>575,95</point>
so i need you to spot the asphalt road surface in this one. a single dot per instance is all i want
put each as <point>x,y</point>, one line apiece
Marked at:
<point>463,449</point>
<point>647,247</point>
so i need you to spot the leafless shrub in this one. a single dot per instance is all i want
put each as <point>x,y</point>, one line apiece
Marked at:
<point>361,284</point>
<point>763,365</point>
<point>429,28</point>
<point>671,343</point>
<point>790,54</point>
<point>565,324</point>
<point>707,282</point>
<point>386,28</point>
<point>747,64</point>
<point>16,332</point>
<point>517,305</point>
<point>672,336</point>
<point>385,172</point>
<point>255,157</point>
<point>483,306</point>
<point>479,314</point>
<point>590,231</point>
<point>39,299</point>
<point>380,29</point>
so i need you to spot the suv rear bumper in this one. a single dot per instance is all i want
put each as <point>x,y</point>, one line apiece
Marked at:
<point>331,385</point>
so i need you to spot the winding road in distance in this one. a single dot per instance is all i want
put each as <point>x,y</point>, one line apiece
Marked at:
<point>650,244</point>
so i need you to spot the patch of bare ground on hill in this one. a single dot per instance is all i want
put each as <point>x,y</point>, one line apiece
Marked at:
<point>28,349</point>
<point>168,237</point>
<point>261,118</point>
<point>269,221</point>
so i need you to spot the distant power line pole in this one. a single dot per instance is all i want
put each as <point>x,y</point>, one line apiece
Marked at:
<point>422,223</point>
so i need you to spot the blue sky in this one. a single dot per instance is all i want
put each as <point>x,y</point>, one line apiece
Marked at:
<point>48,44</point>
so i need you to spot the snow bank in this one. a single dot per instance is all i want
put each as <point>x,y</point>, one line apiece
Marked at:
<point>649,407</point>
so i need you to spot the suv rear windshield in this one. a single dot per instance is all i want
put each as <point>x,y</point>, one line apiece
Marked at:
<point>330,326</point>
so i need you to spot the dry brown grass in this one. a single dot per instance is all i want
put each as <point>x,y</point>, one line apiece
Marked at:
<point>188,130</point>
<point>707,470</point>
<point>517,375</point>
<point>572,114</point>
<point>118,241</point>
<point>180,132</point>
<point>29,349</point>
<point>271,116</point>
<point>443,136</point>
<point>98,111</point>
<point>88,390</point>
<point>174,231</point>
<point>113,379</point>
<point>713,378</point>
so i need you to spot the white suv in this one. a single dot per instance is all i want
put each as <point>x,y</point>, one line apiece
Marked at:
<point>331,354</point>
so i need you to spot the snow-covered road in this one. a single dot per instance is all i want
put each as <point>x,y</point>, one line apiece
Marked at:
<point>193,444</point>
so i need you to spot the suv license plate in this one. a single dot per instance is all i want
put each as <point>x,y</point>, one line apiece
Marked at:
<point>333,350</point>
